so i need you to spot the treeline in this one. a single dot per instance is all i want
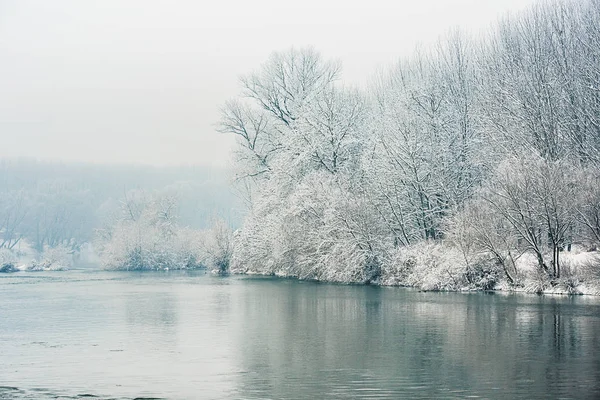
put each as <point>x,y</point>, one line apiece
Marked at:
<point>472,162</point>
<point>50,209</point>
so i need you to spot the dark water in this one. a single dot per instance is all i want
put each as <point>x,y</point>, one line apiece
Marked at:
<point>192,336</point>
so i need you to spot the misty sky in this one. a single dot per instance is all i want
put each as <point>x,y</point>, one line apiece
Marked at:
<point>142,81</point>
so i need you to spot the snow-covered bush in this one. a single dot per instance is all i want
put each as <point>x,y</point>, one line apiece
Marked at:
<point>138,246</point>
<point>487,243</point>
<point>320,231</point>
<point>428,266</point>
<point>483,273</point>
<point>536,281</point>
<point>580,272</point>
<point>217,244</point>
<point>147,236</point>
<point>57,258</point>
<point>8,261</point>
<point>569,279</point>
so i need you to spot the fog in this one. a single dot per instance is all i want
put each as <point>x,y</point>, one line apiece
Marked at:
<point>110,112</point>
<point>142,81</point>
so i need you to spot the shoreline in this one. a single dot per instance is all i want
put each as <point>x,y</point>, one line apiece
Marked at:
<point>501,288</point>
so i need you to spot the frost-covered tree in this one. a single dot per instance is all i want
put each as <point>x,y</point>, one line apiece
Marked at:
<point>312,134</point>
<point>537,198</point>
<point>428,155</point>
<point>480,233</point>
<point>485,149</point>
<point>275,97</point>
<point>541,80</point>
<point>14,207</point>
<point>588,206</point>
<point>60,215</point>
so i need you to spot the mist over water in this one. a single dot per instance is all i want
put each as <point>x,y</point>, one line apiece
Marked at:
<point>181,335</point>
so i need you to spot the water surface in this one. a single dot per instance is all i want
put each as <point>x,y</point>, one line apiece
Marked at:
<point>177,335</point>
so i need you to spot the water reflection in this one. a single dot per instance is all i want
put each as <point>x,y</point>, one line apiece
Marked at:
<point>180,336</point>
<point>363,342</point>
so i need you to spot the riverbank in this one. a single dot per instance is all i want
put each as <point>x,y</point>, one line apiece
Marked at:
<point>563,289</point>
<point>438,267</point>
<point>426,267</point>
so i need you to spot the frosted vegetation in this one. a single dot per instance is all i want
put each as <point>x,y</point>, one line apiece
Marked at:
<point>145,234</point>
<point>55,216</point>
<point>473,164</point>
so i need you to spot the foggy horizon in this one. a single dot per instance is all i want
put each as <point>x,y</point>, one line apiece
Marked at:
<point>142,83</point>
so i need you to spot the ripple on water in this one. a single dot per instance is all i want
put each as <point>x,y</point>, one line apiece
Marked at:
<point>14,393</point>
<point>81,334</point>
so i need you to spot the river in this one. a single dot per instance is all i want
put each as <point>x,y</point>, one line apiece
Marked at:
<point>189,335</point>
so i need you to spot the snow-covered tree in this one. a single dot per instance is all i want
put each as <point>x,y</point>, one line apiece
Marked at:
<point>14,207</point>
<point>486,149</point>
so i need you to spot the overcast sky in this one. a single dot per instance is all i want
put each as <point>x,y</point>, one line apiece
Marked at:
<point>142,81</point>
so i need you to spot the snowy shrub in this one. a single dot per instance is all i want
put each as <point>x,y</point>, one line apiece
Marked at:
<point>147,236</point>
<point>140,247</point>
<point>320,231</point>
<point>57,258</point>
<point>436,266</point>
<point>487,243</point>
<point>8,261</point>
<point>536,281</point>
<point>590,267</point>
<point>483,274</point>
<point>254,245</point>
<point>428,266</point>
<point>580,270</point>
<point>217,244</point>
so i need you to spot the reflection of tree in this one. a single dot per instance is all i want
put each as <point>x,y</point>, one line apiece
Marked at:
<point>311,340</point>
